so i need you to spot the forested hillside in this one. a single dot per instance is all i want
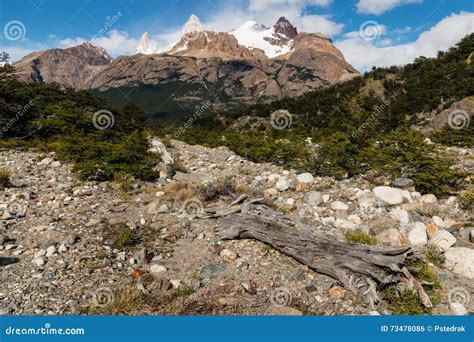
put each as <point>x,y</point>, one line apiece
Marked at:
<point>359,126</point>
<point>104,143</point>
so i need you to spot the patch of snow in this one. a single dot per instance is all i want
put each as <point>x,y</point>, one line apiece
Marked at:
<point>252,35</point>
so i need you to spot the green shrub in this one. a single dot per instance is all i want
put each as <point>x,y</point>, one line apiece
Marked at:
<point>121,235</point>
<point>466,199</point>
<point>406,303</point>
<point>222,186</point>
<point>5,177</point>
<point>178,167</point>
<point>435,255</point>
<point>358,236</point>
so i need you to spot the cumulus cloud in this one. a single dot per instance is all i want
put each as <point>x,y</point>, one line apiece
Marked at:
<point>364,53</point>
<point>115,42</point>
<point>267,13</point>
<point>230,16</point>
<point>260,5</point>
<point>319,23</point>
<point>380,6</point>
<point>17,52</point>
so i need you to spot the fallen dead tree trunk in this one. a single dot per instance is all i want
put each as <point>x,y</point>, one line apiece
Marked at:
<point>360,268</point>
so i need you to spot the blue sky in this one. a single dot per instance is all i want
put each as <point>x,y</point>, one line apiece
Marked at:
<point>118,24</point>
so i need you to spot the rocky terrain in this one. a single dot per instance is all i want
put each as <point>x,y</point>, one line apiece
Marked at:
<point>71,247</point>
<point>250,63</point>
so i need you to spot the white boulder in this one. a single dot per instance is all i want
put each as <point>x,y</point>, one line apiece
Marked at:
<point>282,185</point>
<point>460,260</point>
<point>399,215</point>
<point>417,236</point>
<point>306,178</point>
<point>388,195</point>
<point>314,198</point>
<point>443,240</point>
<point>338,205</point>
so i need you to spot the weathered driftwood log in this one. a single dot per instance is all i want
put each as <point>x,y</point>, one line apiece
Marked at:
<point>360,268</point>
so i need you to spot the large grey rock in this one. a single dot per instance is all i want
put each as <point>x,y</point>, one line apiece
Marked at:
<point>306,178</point>
<point>442,240</point>
<point>399,215</point>
<point>382,223</point>
<point>403,183</point>
<point>282,185</point>
<point>417,236</point>
<point>388,196</point>
<point>460,260</point>
<point>315,198</point>
<point>158,147</point>
<point>391,237</point>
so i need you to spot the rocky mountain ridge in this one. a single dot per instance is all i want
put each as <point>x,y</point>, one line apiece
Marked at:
<point>252,63</point>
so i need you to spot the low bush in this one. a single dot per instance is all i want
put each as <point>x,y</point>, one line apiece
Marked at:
<point>5,177</point>
<point>360,237</point>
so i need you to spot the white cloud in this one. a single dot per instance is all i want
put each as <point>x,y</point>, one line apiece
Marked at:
<point>319,23</point>
<point>260,5</point>
<point>363,53</point>
<point>231,15</point>
<point>380,6</point>
<point>115,42</point>
<point>267,12</point>
<point>17,52</point>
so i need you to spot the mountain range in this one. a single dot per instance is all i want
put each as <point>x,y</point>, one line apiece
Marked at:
<point>251,64</point>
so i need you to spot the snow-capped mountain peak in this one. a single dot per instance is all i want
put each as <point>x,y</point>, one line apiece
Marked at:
<point>193,25</point>
<point>147,46</point>
<point>275,41</point>
<point>284,27</point>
